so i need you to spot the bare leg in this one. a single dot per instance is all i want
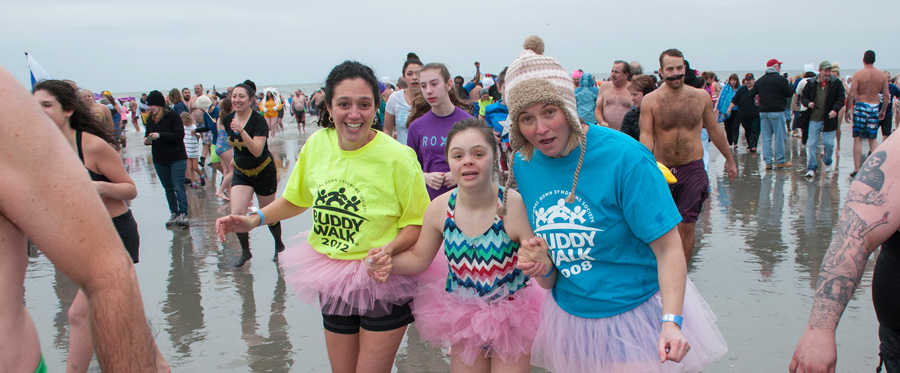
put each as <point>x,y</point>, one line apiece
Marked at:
<point>272,126</point>
<point>378,349</point>
<point>225,161</point>
<point>857,153</point>
<point>686,230</point>
<point>343,351</point>
<point>481,364</point>
<point>523,365</point>
<point>81,343</point>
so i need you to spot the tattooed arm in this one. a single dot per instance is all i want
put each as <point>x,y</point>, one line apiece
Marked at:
<point>869,217</point>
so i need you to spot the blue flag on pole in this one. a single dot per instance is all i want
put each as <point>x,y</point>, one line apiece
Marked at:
<point>37,72</point>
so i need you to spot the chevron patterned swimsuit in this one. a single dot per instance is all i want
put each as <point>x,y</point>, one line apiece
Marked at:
<point>486,306</point>
<point>484,263</point>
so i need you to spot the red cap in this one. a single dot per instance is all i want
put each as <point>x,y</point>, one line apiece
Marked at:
<point>773,62</point>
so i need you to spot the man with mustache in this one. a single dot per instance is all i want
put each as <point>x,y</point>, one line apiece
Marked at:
<point>671,119</point>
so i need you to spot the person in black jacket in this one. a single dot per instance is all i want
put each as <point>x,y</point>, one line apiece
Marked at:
<point>165,134</point>
<point>773,90</point>
<point>823,97</point>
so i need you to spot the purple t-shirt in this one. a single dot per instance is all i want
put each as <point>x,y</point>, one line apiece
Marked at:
<point>428,137</point>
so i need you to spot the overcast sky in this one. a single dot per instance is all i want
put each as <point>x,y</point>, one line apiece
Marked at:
<point>139,46</point>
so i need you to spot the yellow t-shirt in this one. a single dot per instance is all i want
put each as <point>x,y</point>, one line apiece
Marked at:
<point>360,199</point>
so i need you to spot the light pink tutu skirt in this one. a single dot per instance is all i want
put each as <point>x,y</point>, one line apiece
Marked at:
<point>503,327</point>
<point>342,287</point>
<point>625,342</point>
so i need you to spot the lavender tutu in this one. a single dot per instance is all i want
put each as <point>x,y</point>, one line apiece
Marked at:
<point>504,327</point>
<point>625,342</point>
<point>343,287</point>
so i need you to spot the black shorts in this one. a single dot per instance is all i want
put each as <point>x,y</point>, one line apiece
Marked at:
<point>885,124</point>
<point>399,317</point>
<point>128,232</point>
<point>264,184</point>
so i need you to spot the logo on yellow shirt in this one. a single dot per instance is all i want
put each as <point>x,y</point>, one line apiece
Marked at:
<point>336,216</point>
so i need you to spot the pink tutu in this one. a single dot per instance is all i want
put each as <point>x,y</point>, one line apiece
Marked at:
<point>471,324</point>
<point>343,287</point>
<point>625,342</point>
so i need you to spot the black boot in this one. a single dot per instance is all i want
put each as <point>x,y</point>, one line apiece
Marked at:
<point>275,229</point>
<point>244,239</point>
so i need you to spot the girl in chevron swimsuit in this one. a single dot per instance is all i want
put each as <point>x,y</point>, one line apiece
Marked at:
<point>485,309</point>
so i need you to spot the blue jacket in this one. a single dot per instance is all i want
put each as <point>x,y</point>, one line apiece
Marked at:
<point>586,98</point>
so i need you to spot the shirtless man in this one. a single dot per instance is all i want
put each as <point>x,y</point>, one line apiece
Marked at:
<point>298,110</point>
<point>671,120</point>
<point>133,107</point>
<point>316,100</point>
<point>614,100</point>
<point>198,91</point>
<point>99,110</point>
<point>37,194</point>
<point>863,102</point>
<point>188,99</point>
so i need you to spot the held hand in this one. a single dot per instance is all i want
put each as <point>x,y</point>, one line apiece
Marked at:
<point>731,170</point>
<point>533,257</point>
<point>449,181</point>
<point>816,352</point>
<point>434,180</point>
<point>233,223</point>
<point>832,114</point>
<point>672,345</point>
<point>378,264</point>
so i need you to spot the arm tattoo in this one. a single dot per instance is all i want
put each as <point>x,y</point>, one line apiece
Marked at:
<point>872,197</point>
<point>842,268</point>
<point>871,173</point>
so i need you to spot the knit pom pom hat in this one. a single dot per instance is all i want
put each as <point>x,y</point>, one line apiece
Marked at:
<point>534,78</point>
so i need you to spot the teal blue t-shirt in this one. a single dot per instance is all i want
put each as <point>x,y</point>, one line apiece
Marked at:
<point>599,243</point>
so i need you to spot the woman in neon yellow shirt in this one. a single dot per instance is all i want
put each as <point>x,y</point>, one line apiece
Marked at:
<point>365,190</point>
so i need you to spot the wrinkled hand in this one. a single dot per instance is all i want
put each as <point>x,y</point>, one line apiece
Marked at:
<point>534,260</point>
<point>378,264</point>
<point>816,352</point>
<point>672,345</point>
<point>434,180</point>
<point>448,180</point>
<point>233,223</point>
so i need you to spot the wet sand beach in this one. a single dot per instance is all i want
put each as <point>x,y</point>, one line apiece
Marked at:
<point>761,239</point>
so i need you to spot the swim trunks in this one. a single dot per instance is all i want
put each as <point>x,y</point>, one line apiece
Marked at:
<point>885,124</point>
<point>691,189</point>
<point>42,367</point>
<point>865,120</point>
